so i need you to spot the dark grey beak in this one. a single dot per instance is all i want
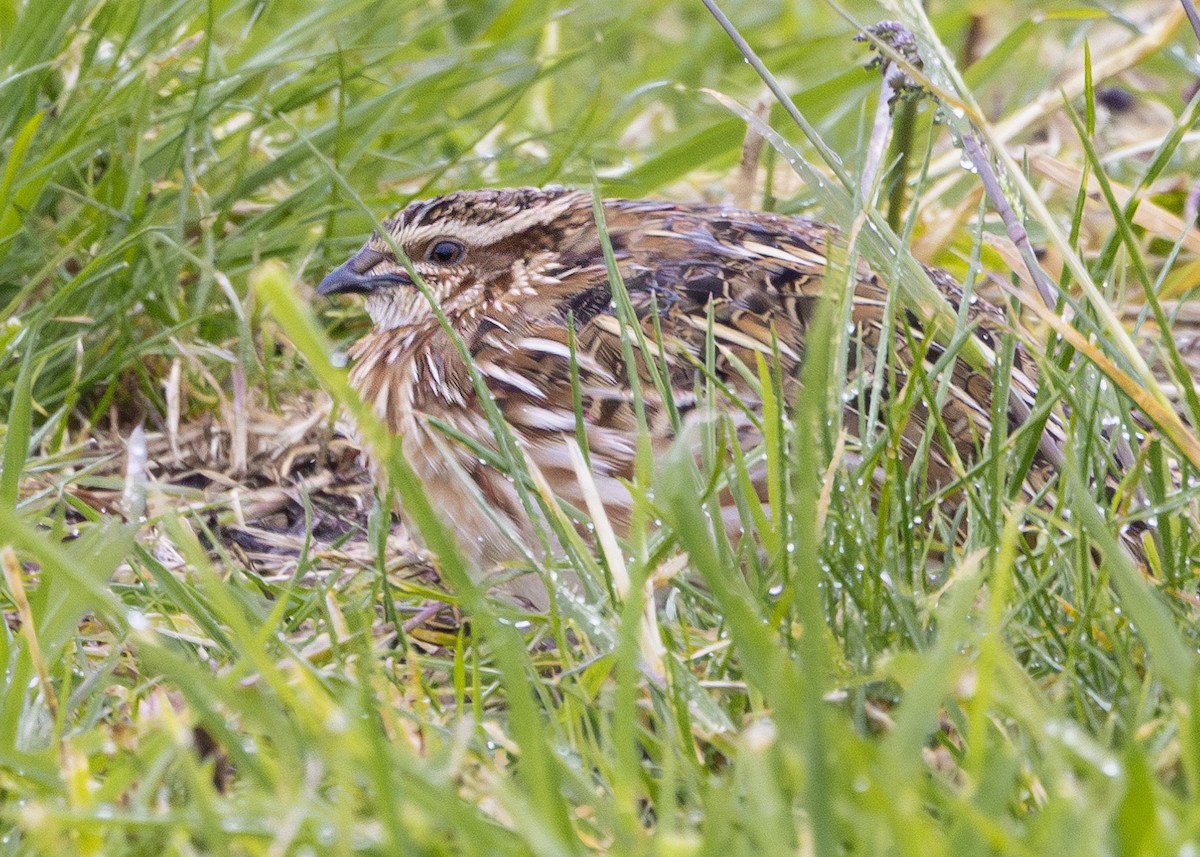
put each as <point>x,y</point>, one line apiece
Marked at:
<point>351,277</point>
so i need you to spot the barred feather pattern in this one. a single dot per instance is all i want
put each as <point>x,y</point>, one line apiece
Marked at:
<point>513,269</point>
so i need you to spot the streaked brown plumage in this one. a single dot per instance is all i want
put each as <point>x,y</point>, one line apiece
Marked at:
<point>510,267</point>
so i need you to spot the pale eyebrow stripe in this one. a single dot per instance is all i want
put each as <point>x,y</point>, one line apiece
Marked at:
<point>481,234</point>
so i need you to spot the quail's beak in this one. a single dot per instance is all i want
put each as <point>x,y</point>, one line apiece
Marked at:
<point>351,278</point>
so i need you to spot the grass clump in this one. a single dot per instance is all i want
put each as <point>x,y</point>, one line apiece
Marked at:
<point>217,642</point>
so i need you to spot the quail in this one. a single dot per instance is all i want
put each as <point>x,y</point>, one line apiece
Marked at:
<point>521,277</point>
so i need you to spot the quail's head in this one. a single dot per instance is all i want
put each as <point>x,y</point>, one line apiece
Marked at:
<point>477,251</point>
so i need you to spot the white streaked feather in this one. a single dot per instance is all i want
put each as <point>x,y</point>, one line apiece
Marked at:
<point>513,379</point>
<point>799,257</point>
<point>736,337</point>
<point>544,419</point>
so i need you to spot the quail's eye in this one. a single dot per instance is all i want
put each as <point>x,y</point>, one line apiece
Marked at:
<point>446,251</point>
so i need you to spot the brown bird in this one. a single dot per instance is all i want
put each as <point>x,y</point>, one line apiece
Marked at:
<point>513,270</point>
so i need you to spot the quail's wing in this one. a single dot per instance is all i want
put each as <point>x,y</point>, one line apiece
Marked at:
<point>760,277</point>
